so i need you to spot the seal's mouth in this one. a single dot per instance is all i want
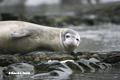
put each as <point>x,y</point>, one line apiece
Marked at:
<point>70,45</point>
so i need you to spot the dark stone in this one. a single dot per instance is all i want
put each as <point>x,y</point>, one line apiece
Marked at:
<point>113,59</point>
<point>73,66</point>
<point>6,60</point>
<point>8,16</point>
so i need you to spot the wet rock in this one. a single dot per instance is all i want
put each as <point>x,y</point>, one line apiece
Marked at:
<point>6,60</point>
<point>44,56</point>
<point>113,59</point>
<point>1,72</point>
<point>18,70</point>
<point>37,57</point>
<point>74,66</point>
<point>48,66</point>
<point>43,20</point>
<point>85,68</point>
<point>94,60</point>
<point>108,57</point>
<point>92,64</point>
<point>102,13</point>
<point>87,55</point>
<point>41,76</point>
<point>53,75</point>
<point>97,64</point>
<point>57,63</point>
<point>60,69</point>
<point>115,19</point>
<point>34,57</point>
<point>8,16</point>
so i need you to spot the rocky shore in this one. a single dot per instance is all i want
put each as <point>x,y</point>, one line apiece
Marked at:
<point>55,63</point>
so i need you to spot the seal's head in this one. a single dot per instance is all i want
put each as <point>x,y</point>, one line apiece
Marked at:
<point>70,38</point>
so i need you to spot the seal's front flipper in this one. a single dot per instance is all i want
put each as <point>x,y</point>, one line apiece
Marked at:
<point>20,33</point>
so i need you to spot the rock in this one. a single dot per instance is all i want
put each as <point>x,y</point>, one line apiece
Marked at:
<point>37,57</point>
<point>94,60</point>
<point>6,60</point>
<point>44,56</point>
<point>34,57</point>
<point>18,70</point>
<point>107,57</point>
<point>1,72</point>
<point>74,66</point>
<point>113,59</point>
<point>8,16</point>
<point>59,69</point>
<point>47,66</point>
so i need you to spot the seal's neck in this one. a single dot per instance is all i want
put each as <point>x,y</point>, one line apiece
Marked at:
<point>61,42</point>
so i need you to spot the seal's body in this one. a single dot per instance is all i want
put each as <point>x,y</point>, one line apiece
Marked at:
<point>23,37</point>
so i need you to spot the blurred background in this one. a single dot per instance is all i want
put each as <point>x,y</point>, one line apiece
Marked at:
<point>80,11</point>
<point>97,21</point>
<point>50,7</point>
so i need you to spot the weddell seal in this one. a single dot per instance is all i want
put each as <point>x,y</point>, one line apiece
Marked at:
<point>22,37</point>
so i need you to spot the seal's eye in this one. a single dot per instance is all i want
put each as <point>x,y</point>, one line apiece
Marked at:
<point>77,39</point>
<point>67,36</point>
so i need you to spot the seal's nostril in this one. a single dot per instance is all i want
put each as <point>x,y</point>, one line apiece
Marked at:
<point>72,45</point>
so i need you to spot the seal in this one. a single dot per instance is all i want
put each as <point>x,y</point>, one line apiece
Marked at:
<point>23,37</point>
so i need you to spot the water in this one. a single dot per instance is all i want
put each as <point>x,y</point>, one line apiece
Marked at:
<point>107,74</point>
<point>104,37</point>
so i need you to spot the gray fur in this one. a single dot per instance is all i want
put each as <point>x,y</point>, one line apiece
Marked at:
<point>22,37</point>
